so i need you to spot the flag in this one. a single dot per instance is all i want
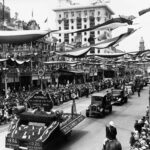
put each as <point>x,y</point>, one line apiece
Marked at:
<point>46,20</point>
<point>32,14</point>
<point>144,11</point>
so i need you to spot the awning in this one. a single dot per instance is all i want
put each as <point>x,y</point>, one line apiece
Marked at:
<point>22,36</point>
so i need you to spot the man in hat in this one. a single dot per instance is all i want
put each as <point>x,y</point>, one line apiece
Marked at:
<point>111,133</point>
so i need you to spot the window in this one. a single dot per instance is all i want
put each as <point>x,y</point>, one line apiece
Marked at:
<point>106,13</point>
<point>85,26</point>
<point>85,33</point>
<point>72,34</point>
<point>72,27</point>
<point>98,32</point>
<point>59,15</point>
<point>92,12</point>
<point>65,14</point>
<point>72,14</point>
<point>85,19</point>
<point>85,12</point>
<point>59,28</point>
<point>98,18</point>
<point>78,13</point>
<point>99,13</point>
<point>66,38</point>
<point>60,40</point>
<point>59,34</point>
<point>98,51</point>
<point>79,23</point>
<point>92,34</point>
<point>66,24</point>
<point>72,40</point>
<point>72,21</point>
<point>85,39</point>
<point>92,22</point>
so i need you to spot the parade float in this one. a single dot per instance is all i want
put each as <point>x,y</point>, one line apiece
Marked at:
<point>37,125</point>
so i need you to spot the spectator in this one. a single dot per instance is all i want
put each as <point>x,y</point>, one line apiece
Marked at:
<point>132,140</point>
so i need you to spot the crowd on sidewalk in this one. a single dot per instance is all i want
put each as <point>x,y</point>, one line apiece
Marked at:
<point>57,95</point>
<point>140,137</point>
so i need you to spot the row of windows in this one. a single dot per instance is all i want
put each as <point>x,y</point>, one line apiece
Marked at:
<point>80,13</point>
<point>66,39</point>
<point>84,19</point>
<point>78,26</point>
<point>85,33</point>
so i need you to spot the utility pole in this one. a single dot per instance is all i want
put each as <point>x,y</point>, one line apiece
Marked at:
<point>5,69</point>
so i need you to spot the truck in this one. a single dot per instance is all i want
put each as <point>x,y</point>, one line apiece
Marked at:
<point>100,104</point>
<point>119,96</point>
<point>34,128</point>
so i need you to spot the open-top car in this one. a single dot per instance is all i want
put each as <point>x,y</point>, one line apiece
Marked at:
<point>100,104</point>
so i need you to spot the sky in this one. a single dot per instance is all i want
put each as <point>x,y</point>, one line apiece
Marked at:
<point>43,9</point>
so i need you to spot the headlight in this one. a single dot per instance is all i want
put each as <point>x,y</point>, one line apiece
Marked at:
<point>98,108</point>
<point>119,99</point>
<point>101,109</point>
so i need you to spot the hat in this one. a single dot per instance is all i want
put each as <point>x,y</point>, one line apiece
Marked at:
<point>111,123</point>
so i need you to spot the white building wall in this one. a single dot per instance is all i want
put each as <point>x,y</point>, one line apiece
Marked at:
<point>98,12</point>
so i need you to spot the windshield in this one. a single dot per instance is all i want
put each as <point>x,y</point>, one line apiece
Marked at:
<point>97,99</point>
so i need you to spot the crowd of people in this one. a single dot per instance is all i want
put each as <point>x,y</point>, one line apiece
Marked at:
<point>57,95</point>
<point>140,137</point>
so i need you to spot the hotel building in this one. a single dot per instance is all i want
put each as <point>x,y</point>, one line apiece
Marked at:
<point>76,17</point>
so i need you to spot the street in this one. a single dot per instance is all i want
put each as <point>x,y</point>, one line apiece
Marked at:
<point>90,133</point>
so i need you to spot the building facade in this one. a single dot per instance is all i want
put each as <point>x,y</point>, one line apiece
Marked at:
<point>76,17</point>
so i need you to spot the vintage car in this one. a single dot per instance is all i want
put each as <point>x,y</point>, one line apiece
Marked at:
<point>119,96</point>
<point>100,104</point>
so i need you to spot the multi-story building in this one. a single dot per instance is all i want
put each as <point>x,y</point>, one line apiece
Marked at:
<point>6,12</point>
<point>76,17</point>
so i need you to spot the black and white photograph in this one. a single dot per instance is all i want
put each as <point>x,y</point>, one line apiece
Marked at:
<point>74,75</point>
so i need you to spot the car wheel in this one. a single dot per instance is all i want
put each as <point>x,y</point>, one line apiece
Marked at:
<point>87,113</point>
<point>110,109</point>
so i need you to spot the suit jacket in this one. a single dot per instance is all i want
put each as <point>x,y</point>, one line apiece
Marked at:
<point>111,132</point>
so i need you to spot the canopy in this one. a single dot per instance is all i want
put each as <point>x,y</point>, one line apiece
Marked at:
<point>109,55</point>
<point>81,52</point>
<point>2,60</point>
<point>22,36</point>
<point>12,61</point>
<point>77,52</point>
<point>114,41</point>
<point>61,62</point>
<point>110,24</point>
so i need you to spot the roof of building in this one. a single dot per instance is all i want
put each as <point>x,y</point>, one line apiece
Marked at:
<point>79,7</point>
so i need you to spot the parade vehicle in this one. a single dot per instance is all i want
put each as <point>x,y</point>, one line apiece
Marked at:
<point>36,126</point>
<point>128,87</point>
<point>100,104</point>
<point>119,96</point>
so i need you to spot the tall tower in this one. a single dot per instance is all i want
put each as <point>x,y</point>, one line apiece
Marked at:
<point>141,44</point>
